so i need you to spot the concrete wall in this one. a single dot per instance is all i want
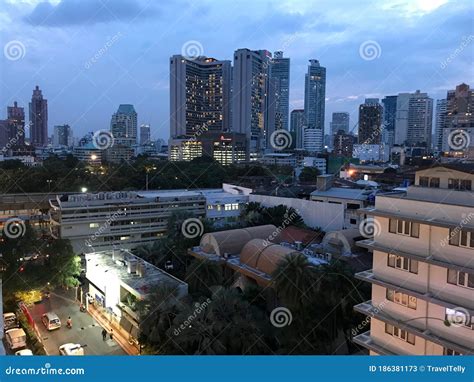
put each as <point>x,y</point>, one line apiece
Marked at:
<point>329,217</point>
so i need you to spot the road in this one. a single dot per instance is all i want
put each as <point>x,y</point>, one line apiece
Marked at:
<point>85,330</point>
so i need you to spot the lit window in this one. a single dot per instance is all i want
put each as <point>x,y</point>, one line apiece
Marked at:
<point>402,263</point>
<point>94,225</point>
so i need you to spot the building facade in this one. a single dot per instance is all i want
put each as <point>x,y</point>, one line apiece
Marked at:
<point>389,117</point>
<point>123,125</point>
<point>297,124</point>
<point>370,122</point>
<point>16,121</point>
<point>280,73</point>
<point>315,98</point>
<point>63,136</point>
<point>440,123</point>
<point>145,134</point>
<point>312,139</point>
<point>38,119</point>
<point>343,144</point>
<point>340,121</point>
<point>422,276</point>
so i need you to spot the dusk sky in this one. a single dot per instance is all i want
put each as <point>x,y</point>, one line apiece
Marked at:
<point>419,44</point>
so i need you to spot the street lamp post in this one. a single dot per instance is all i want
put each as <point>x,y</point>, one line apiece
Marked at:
<point>147,171</point>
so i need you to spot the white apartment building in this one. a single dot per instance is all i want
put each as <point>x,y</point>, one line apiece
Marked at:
<point>423,267</point>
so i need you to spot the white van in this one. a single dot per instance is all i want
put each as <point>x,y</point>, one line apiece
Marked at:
<point>51,321</point>
<point>71,349</point>
<point>10,321</point>
<point>16,338</point>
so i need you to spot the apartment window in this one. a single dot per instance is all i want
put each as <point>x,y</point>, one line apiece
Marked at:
<point>424,181</point>
<point>401,298</point>
<point>448,351</point>
<point>403,263</point>
<point>463,279</point>
<point>93,225</point>
<point>353,221</point>
<point>227,207</point>
<point>461,238</point>
<point>400,333</point>
<point>459,184</point>
<point>404,227</point>
<point>434,182</point>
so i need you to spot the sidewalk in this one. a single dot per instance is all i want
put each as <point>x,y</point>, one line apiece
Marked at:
<point>120,335</point>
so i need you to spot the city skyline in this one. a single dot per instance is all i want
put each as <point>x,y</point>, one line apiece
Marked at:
<point>109,76</point>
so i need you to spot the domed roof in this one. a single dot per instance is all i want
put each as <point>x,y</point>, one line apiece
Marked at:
<point>232,241</point>
<point>263,256</point>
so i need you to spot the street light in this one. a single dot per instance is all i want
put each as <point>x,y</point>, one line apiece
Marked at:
<point>147,171</point>
<point>83,189</point>
<point>49,181</point>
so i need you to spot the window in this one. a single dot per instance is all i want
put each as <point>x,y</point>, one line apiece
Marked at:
<point>460,184</point>
<point>403,263</point>
<point>93,225</point>
<point>434,182</point>
<point>463,279</point>
<point>461,238</point>
<point>404,227</point>
<point>400,333</point>
<point>353,206</point>
<point>448,351</point>
<point>353,221</point>
<point>401,298</point>
<point>424,181</point>
<point>227,207</point>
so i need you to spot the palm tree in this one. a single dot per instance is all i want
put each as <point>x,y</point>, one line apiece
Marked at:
<point>203,274</point>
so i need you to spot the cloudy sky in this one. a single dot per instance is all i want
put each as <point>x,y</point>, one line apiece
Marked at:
<point>88,56</point>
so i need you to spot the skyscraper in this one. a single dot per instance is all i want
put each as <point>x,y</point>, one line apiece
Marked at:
<point>145,135</point>
<point>38,119</point>
<point>280,73</point>
<point>253,111</point>
<point>62,136</point>
<point>389,117</point>
<point>199,95</point>
<point>297,123</point>
<point>123,125</point>
<point>440,122</point>
<point>314,98</point>
<point>340,121</point>
<point>16,122</point>
<point>370,122</point>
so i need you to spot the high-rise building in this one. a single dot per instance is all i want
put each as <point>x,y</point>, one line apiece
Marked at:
<point>370,122</point>
<point>297,124</point>
<point>343,144</point>
<point>315,98</point>
<point>38,119</point>
<point>123,125</point>
<point>145,134</point>
<point>422,277</point>
<point>389,117</point>
<point>63,136</point>
<point>253,111</point>
<point>414,119</point>
<point>312,139</point>
<point>16,121</point>
<point>280,73</point>
<point>199,96</point>
<point>340,121</point>
<point>459,119</point>
<point>440,123</point>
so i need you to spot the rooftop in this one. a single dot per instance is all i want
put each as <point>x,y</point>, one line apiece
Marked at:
<point>344,193</point>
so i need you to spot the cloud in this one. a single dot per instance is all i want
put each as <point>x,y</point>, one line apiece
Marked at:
<point>80,12</point>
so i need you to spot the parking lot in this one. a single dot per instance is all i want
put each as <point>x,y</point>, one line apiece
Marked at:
<point>85,330</point>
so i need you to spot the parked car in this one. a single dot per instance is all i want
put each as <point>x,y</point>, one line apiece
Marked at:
<point>51,321</point>
<point>71,349</point>
<point>10,321</point>
<point>24,352</point>
<point>15,338</point>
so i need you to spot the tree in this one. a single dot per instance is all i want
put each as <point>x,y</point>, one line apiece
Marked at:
<point>202,275</point>
<point>64,265</point>
<point>309,174</point>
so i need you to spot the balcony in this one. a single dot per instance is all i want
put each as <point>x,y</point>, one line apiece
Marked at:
<point>366,341</point>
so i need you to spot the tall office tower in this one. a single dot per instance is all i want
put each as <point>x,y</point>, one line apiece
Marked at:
<point>440,122</point>
<point>420,120</point>
<point>253,99</point>
<point>422,277</point>
<point>63,136</point>
<point>199,95</point>
<point>145,134</point>
<point>389,117</point>
<point>280,73</point>
<point>340,121</point>
<point>38,119</point>
<point>123,125</point>
<point>16,121</point>
<point>459,122</point>
<point>314,97</point>
<point>370,122</point>
<point>312,139</point>
<point>4,134</point>
<point>343,144</point>
<point>297,123</point>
